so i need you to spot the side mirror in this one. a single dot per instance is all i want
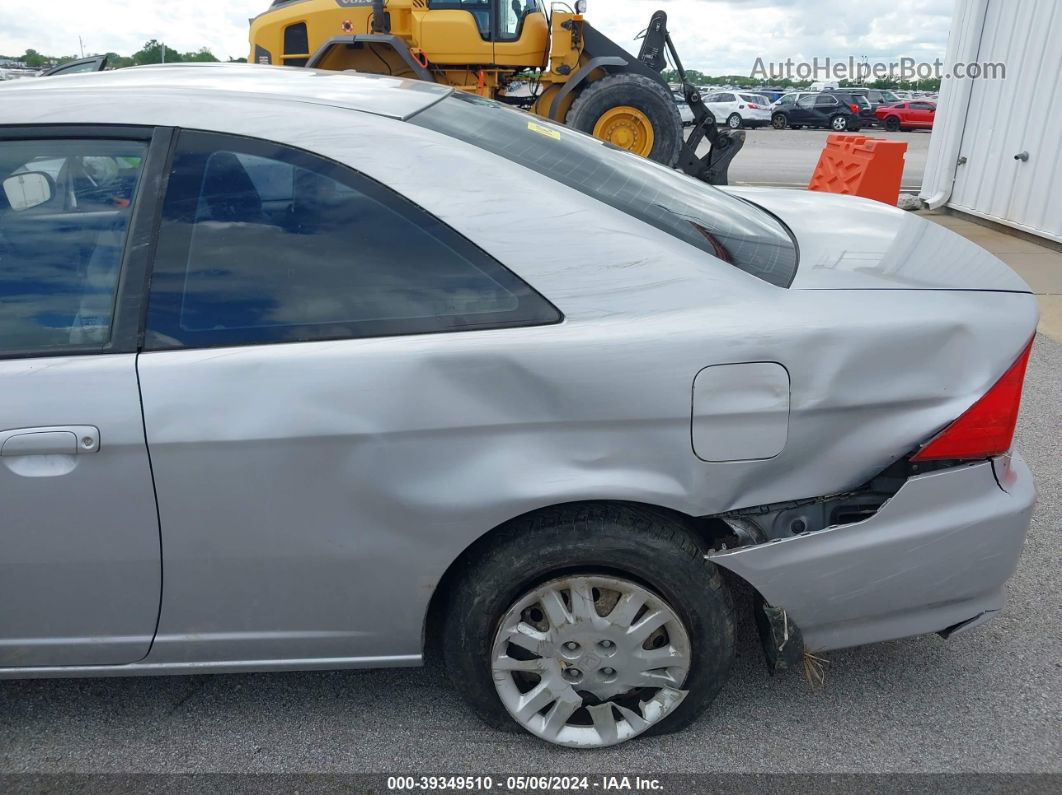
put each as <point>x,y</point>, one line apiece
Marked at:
<point>28,189</point>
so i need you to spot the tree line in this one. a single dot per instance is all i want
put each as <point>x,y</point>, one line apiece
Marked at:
<point>153,51</point>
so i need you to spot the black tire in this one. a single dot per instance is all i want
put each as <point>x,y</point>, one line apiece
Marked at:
<point>643,545</point>
<point>840,123</point>
<point>639,92</point>
<point>779,121</point>
<point>892,124</point>
<point>734,121</point>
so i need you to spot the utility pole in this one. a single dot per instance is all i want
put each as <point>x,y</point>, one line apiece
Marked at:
<point>162,44</point>
<point>82,43</point>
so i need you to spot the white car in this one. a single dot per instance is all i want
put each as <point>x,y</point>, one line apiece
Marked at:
<point>737,109</point>
<point>685,111</point>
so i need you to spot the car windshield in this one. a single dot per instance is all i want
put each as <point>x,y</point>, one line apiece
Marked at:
<point>734,230</point>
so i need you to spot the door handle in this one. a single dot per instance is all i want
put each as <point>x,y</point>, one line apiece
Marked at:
<point>50,440</point>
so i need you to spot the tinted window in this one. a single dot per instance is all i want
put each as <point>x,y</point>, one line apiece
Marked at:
<point>262,243</point>
<point>922,106</point>
<point>725,98</point>
<point>64,212</point>
<point>715,222</point>
<point>825,101</point>
<point>806,102</point>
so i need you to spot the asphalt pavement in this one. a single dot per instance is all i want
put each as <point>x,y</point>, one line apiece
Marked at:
<point>986,701</point>
<point>787,158</point>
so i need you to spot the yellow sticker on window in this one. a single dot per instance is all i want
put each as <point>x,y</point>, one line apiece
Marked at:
<point>542,129</point>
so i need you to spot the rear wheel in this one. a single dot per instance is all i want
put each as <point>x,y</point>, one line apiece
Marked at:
<point>839,123</point>
<point>590,628</point>
<point>632,112</point>
<point>734,122</point>
<point>892,124</point>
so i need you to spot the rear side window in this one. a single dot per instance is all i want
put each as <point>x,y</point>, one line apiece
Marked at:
<point>64,210</point>
<point>707,218</point>
<point>262,243</point>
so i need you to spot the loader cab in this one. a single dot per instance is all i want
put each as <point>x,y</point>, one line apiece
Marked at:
<point>503,32</point>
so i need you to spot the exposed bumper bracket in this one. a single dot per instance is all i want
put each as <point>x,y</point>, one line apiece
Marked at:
<point>783,642</point>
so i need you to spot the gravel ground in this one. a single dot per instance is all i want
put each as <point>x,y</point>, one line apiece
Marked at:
<point>986,701</point>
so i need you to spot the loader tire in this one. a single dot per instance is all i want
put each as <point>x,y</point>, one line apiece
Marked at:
<point>633,112</point>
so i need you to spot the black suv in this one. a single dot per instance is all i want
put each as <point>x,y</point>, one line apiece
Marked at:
<point>875,96</point>
<point>835,110</point>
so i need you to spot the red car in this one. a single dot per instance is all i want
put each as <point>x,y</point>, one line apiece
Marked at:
<point>914,115</point>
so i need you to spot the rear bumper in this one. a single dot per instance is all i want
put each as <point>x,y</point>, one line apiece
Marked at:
<point>936,556</point>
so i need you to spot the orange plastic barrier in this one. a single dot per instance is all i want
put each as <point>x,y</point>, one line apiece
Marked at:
<point>856,165</point>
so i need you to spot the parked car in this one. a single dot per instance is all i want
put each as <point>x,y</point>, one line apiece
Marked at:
<point>875,96</point>
<point>914,115</point>
<point>787,100</point>
<point>737,109</point>
<point>96,63</point>
<point>685,112</point>
<point>276,343</point>
<point>833,110</point>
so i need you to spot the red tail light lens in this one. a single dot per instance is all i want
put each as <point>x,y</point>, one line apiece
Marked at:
<point>987,427</point>
<point>754,106</point>
<point>854,107</point>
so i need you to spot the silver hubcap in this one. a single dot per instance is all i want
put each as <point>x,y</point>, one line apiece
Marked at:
<point>590,661</point>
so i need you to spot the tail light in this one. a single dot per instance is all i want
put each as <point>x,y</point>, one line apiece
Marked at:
<point>854,107</point>
<point>754,106</point>
<point>987,427</point>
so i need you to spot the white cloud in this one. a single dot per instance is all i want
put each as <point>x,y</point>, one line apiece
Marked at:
<point>713,36</point>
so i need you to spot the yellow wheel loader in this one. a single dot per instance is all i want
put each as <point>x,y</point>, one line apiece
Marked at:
<point>551,62</point>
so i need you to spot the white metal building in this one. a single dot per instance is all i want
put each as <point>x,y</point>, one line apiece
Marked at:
<point>996,150</point>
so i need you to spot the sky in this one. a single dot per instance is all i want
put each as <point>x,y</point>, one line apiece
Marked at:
<point>711,35</point>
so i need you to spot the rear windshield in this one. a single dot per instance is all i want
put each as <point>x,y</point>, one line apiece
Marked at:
<point>734,230</point>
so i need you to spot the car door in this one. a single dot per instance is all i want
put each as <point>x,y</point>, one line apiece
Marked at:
<point>728,104</point>
<point>825,107</point>
<point>299,315</point>
<point>80,568</point>
<point>803,111</point>
<point>921,114</point>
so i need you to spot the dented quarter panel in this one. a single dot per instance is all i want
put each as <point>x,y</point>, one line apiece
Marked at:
<point>312,495</point>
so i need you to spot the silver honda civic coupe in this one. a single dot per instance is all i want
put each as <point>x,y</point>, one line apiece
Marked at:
<point>310,370</point>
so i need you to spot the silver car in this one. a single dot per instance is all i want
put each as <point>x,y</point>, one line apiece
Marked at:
<point>307,370</point>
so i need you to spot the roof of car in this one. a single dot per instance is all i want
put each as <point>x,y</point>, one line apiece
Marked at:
<point>378,94</point>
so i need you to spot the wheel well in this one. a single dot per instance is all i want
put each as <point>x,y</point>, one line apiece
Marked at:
<point>708,530</point>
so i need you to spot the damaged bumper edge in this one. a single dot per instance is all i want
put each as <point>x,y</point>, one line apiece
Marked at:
<point>936,556</point>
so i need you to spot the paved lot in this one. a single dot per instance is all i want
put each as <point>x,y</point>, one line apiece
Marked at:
<point>987,701</point>
<point>788,157</point>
